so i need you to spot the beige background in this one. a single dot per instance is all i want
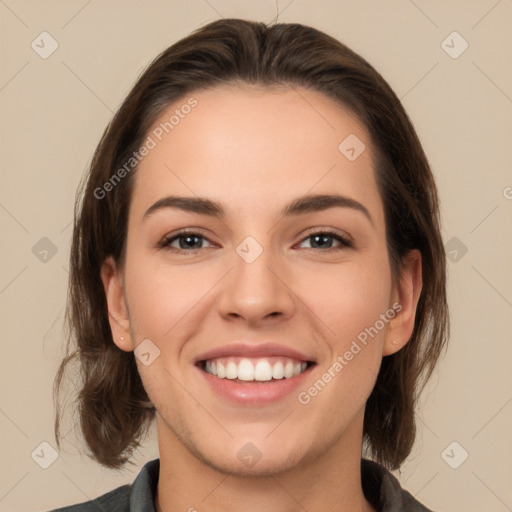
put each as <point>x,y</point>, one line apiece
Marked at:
<point>54,110</point>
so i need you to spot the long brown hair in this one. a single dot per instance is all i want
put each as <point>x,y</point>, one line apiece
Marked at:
<point>113,407</point>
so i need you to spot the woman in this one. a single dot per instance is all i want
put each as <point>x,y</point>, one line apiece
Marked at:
<point>256,263</point>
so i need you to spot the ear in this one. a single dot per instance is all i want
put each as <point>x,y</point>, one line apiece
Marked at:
<point>116,302</point>
<point>405,296</point>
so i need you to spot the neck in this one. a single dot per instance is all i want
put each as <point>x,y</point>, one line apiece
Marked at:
<point>331,481</point>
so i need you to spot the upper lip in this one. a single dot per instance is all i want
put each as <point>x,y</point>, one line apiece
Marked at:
<point>239,349</point>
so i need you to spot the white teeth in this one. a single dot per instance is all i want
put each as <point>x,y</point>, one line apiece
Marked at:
<point>250,370</point>
<point>288,370</point>
<point>231,370</point>
<point>278,370</point>
<point>245,370</point>
<point>262,371</point>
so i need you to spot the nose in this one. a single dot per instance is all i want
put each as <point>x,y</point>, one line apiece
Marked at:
<point>257,292</point>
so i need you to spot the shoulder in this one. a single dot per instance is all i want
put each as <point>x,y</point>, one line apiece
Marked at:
<point>384,492</point>
<point>117,500</point>
<point>129,497</point>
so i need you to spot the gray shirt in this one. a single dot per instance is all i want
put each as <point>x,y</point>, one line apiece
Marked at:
<point>380,488</point>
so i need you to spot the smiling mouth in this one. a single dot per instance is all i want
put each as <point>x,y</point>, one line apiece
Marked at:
<point>265,369</point>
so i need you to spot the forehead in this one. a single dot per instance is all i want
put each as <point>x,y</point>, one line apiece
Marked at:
<point>242,143</point>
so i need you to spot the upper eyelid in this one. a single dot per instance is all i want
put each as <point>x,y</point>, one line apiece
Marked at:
<point>328,231</point>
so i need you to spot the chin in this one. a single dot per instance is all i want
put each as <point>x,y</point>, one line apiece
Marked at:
<point>258,452</point>
<point>250,461</point>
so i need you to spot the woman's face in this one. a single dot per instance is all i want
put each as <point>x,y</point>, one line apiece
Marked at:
<point>253,290</point>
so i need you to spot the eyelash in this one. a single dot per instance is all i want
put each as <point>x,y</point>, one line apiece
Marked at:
<point>166,241</point>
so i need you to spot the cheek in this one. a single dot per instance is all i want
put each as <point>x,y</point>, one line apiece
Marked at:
<point>160,295</point>
<point>350,304</point>
<point>349,297</point>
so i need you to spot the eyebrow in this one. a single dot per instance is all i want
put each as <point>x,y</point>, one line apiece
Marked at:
<point>301,205</point>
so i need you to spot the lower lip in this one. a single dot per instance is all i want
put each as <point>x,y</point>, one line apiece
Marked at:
<point>254,392</point>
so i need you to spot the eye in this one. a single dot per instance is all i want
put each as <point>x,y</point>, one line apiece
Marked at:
<point>189,242</point>
<point>321,238</point>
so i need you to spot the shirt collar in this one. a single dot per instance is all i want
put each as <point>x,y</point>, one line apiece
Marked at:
<point>380,488</point>
<point>143,492</point>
